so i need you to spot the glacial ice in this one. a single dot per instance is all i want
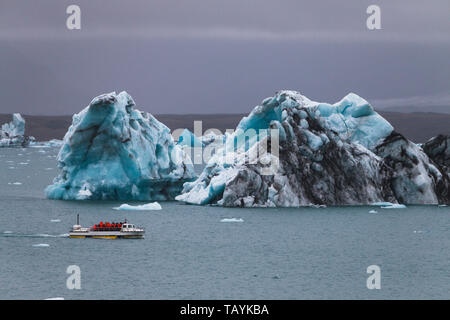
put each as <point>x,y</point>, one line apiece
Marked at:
<point>16,127</point>
<point>12,134</point>
<point>438,149</point>
<point>382,204</point>
<point>53,143</point>
<point>142,207</point>
<point>41,245</point>
<point>114,151</point>
<point>232,220</point>
<point>394,206</point>
<point>334,154</point>
<point>187,138</point>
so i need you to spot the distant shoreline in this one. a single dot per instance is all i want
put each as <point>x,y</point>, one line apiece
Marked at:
<point>418,127</point>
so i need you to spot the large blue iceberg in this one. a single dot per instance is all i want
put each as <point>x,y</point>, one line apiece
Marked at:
<point>114,151</point>
<point>329,154</point>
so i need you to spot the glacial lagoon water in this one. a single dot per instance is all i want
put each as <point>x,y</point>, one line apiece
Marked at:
<point>194,252</point>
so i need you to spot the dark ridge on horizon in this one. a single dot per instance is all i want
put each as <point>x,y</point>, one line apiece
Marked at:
<point>416,109</point>
<point>417,126</point>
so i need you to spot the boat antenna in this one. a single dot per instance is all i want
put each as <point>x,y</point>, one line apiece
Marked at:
<point>78,219</point>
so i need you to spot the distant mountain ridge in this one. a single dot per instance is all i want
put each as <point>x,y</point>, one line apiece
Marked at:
<point>418,127</point>
<point>417,109</point>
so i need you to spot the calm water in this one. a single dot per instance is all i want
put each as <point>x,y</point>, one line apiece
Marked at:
<point>189,254</point>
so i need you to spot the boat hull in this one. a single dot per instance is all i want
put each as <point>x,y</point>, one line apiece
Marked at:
<point>107,235</point>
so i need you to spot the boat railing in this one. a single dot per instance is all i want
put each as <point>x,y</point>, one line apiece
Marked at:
<point>105,229</point>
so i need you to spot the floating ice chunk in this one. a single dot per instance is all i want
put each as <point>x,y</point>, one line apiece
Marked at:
<point>232,220</point>
<point>373,211</point>
<point>380,204</point>
<point>7,232</point>
<point>394,206</point>
<point>15,183</point>
<point>148,206</point>
<point>54,143</point>
<point>55,298</point>
<point>41,245</point>
<point>442,205</point>
<point>55,220</point>
<point>317,206</point>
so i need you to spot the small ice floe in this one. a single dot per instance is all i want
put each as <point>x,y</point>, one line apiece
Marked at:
<point>11,167</point>
<point>317,206</point>
<point>147,206</point>
<point>394,206</point>
<point>7,232</point>
<point>55,298</point>
<point>15,183</point>
<point>373,211</point>
<point>380,204</point>
<point>55,220</point>
<point>41,245</point>
<point>232,220</point>
<point>23,163</point>
<point>419,231</point>
<point>48,169</point>
<point>388,205</point>
<point>442,205</point>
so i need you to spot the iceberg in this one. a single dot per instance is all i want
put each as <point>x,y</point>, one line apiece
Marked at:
<point>143,207</point>
<point>329,154</point>
<point>438,149</point>
<point>12,134</point>
<point>414,177</point>
<point>114,151</point>
<point>187,138</point>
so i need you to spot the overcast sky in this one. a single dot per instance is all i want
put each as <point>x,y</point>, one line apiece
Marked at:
<point>221,56</point>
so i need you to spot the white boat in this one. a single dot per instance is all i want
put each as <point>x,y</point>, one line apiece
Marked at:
<point>115,230</point>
